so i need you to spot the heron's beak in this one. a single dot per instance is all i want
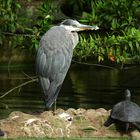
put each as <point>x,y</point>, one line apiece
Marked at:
<point>83,27</point>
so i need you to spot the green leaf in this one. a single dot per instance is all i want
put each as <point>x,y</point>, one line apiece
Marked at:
<point>131,46</point>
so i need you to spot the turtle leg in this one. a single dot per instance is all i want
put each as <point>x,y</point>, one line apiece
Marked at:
<point>127,127</point>
<point>137,125</point>
<point>109,122</point>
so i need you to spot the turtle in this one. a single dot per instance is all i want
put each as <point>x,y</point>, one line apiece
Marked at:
<point>126,113</point>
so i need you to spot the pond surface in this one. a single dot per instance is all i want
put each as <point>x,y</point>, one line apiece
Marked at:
<point>84,87</point>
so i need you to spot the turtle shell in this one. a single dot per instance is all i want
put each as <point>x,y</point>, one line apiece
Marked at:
<point>126,111</point>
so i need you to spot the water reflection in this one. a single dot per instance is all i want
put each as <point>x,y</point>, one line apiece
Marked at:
<point>84,86</point>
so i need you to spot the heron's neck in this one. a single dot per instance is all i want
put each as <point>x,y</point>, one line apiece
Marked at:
<point>75,39</point>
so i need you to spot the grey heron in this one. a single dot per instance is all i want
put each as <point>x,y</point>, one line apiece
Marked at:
<point>54,56</point>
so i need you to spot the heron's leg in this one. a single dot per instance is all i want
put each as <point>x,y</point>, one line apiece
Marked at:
<point>55,106</point>
<point>45,99</point>
<point>52,99</point>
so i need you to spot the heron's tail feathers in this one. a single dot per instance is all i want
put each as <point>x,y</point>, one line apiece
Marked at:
<point>50,100</point>
<point>50,90</point>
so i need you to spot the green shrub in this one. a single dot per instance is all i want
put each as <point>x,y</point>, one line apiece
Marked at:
<point>117,39</point>
<point>121,48</point>
<point>114,15</point>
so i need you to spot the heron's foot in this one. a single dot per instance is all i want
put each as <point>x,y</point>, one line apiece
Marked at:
<point>38,111</point>
<point>47,109</point>
<point>45,97</point>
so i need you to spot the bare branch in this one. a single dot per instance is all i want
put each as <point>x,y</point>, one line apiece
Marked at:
<point>23,84</point>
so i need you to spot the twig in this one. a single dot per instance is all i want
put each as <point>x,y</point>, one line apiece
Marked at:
<point>29,75</point>
<point>15,34</point>
<point>23,84</point>
<point>89,64</point>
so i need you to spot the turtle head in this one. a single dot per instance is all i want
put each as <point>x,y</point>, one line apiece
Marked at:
<point>127,95</point>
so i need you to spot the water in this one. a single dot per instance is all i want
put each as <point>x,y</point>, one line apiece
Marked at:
<point>84,87</point>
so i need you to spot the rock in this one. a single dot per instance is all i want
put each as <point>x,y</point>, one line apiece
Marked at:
<point>80,111</point>
<point>102,111</point>
<point>59,111</point>
<point>63,123</point>
<point>71,111</point>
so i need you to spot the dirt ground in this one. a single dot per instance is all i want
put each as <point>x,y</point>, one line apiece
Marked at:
<point>62,123</point>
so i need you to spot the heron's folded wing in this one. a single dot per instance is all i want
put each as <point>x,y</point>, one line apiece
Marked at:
<point>52,64</point>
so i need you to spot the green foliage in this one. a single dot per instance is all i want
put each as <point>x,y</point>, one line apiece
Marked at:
<point>120,48</point>
<point>114,15</point>
<point>45,16</point>
<point>118,36</point>
<point>8,15</point>
<point>117,39</point>
<point>26,31</point>
<point>44,20</point>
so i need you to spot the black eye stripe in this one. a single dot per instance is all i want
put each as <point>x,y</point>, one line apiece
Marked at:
<point>69,22</point>
<point>66,23</point>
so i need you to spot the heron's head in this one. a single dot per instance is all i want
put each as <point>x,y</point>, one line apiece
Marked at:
<point>127,94</point>
<point>74,25</point>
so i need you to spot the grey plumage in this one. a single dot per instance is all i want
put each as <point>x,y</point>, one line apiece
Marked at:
<point>54,57</point>
<point>54,61</point>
